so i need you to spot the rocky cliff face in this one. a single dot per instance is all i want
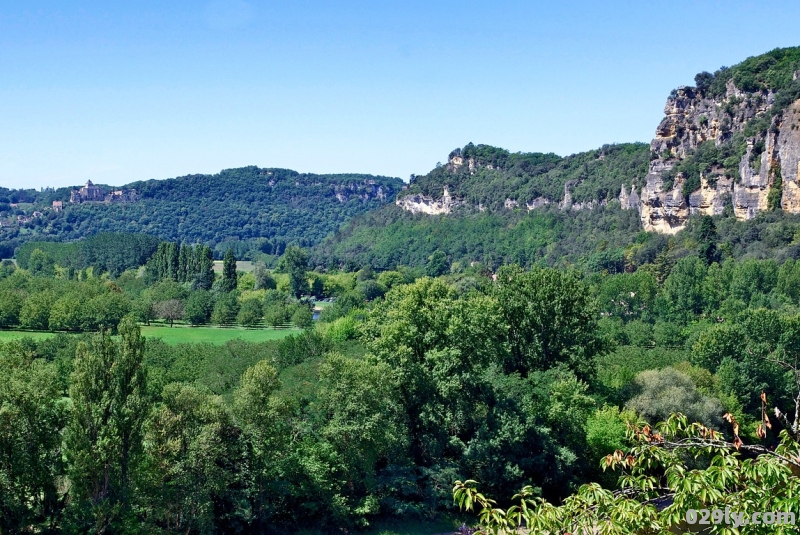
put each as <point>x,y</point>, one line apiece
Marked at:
<point>420,204</point>
<point>720,149</point>
<point>766,160</point>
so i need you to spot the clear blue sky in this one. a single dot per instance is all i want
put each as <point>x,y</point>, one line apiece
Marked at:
<point>123,91</point>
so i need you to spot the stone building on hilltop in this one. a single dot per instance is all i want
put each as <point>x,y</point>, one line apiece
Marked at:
<point>89,192</point>
<point>92,193</point>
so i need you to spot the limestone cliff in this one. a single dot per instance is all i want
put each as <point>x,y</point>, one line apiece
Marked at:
<point>731,145</point>
<point>739,144</point>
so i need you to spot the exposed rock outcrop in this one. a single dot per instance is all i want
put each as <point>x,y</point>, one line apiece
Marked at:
<point>629,201</point>
<point>365,190</point>
<point>693,118</point>
<point>719,149</point>
<point>420,204</point>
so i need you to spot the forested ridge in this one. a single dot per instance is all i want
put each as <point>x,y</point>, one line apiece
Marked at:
<point>487,176</point>
<point>249,209</point>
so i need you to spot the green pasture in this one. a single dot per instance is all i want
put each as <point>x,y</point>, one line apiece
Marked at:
<point>181,334</point>
<point>213,335</point>
<point>7,336</point>
<point>245,266</point>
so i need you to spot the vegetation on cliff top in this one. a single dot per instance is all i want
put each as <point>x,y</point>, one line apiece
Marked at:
<point>772,71</point>
<point>498,175</point>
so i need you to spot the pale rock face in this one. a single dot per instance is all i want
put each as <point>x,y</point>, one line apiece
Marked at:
<point>788,145</point>
<point>623,198</point>
<point>663,212</point>
<point>750,194</point>
<point>456,161</point>
<point>628,201</point>
<point>711,200</point>
<point>366,190</point>
<point>420,204</point>
<point>692,119</point>
<point>538,202</point>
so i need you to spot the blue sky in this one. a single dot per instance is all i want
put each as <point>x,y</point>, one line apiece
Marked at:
<point>122,91</point>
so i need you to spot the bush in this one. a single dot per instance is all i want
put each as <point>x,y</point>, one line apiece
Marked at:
<point>276,314</point>
<point>343,329</point>
<point>226,308</point>
<point>199,307</point>
<point>660,393</point>
<point>169,310</point>
<point>250,313</point>
<point>302,317</point>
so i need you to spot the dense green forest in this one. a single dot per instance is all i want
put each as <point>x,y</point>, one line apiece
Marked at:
<point>604,238</point>
<point>249,209</point>
<point>495,235</point>
<point>412,379</point>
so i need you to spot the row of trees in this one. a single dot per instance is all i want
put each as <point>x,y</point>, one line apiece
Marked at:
<point>328,444</point>
<point>193,264</point>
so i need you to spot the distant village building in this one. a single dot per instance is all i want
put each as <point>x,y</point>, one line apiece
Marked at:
<point>89,192</point>
<point>92,193</point>
<point>58,206</point>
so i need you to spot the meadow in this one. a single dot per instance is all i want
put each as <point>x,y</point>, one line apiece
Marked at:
<point>213,335</point>
<point>7,336</point>
<point>181,334</point>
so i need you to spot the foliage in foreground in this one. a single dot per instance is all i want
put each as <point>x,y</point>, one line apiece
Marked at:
<point>673,468</point>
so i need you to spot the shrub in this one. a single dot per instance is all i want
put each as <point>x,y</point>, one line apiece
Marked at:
<point>660,393</point>
<point>250,312</point>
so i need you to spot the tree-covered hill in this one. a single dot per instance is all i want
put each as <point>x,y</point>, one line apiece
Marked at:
<point>601,238</point>
<point>247,208</point>
<point>486,228</point>
<point>487,176</point>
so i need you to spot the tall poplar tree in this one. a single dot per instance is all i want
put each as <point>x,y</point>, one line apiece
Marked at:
<point>104,435</point>
<point>295,263</point>
<point>204,268</point>
<point>229,272</point>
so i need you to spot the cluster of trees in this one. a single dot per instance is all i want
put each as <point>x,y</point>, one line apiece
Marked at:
<point>389,237</point>
<point>771,71</point>
<point>408,383</point>
<point>43,303</point>
<point>593,241</point>
<point>316,433</point>
<point>178,283</point>
<point>112,253</point>
<point>193,264</point>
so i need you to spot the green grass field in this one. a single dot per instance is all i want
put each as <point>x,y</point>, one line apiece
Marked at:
<point>7,336</point>
<point>182,335</point>
<point>213,335</point>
